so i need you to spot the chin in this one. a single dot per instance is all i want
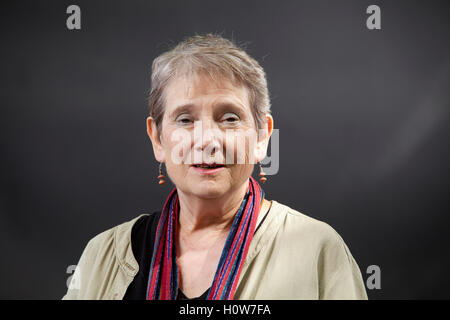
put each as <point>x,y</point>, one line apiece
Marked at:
<point>208,189</point>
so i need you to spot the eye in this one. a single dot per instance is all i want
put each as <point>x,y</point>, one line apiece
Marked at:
<point>230,117</point>
<point>183,120</point>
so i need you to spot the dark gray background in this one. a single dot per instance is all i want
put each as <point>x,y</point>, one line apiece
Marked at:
<point>363,118</point>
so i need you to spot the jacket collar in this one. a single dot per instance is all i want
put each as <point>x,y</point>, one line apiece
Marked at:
<point>266,232</point>
<point>123,249</point>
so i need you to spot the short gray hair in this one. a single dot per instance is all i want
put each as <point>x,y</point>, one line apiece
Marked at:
<point>219,58</point>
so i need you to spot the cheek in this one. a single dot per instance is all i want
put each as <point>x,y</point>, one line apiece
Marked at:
<point>241,147</point>
<point>241,172</point>
<point>177,173</point>
<point>174,160</point>
<point>177,146</point>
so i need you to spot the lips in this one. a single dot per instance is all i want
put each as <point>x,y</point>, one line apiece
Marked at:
<point>208,166</point>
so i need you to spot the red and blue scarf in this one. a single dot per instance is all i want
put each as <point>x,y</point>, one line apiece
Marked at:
<point>163,281</point>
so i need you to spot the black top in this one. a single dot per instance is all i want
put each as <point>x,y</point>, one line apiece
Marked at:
<point>142,241</point>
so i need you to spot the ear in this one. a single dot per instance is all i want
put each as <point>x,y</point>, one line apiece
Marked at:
<point>263,141</point>
<point>152,132</point>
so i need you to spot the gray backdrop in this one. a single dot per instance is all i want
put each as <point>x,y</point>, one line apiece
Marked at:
<point>363,118</point>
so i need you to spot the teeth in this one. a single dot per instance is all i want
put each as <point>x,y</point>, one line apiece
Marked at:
<point>206,166</point>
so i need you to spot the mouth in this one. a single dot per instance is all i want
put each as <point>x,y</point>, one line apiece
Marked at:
<point>205,168</point>
<point>208,166</point>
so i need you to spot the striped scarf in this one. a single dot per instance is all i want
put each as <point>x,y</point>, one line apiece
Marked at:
<point>163,281</point>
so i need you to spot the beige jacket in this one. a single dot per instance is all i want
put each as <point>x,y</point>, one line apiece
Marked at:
<point>292,256</point>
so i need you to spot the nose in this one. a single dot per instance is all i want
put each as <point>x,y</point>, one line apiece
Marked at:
<point>207,138</point>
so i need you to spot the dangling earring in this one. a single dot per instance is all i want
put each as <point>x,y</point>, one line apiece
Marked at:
<point>161,176</point>
<point>262,174</point>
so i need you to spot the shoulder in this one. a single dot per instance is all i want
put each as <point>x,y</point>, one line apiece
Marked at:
<point>312,240</point>
<point>108,245</point>
<point>118,239</point>
<point>118,233</point>
<point>102,257</point>
<point>308,230</point>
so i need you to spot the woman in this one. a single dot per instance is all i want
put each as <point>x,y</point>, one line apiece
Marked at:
<point>217,236</point>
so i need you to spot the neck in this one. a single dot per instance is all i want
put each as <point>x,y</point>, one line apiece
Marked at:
<point>217,215</point>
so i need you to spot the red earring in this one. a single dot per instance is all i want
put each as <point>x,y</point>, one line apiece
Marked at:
<point>161,176</point>
<point>262,174</point>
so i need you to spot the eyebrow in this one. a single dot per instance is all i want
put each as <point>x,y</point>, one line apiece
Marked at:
<point>182,108</point>
<point>219,105</point>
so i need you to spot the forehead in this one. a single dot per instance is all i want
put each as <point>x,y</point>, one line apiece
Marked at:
<point>200,88</point>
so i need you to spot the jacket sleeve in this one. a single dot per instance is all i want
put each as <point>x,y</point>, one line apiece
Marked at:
<point>339,275</point>
<point>87,275</point>
<point>76,283</point>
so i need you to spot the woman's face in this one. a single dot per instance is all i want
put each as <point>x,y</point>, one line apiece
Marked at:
<point>207,123</point>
